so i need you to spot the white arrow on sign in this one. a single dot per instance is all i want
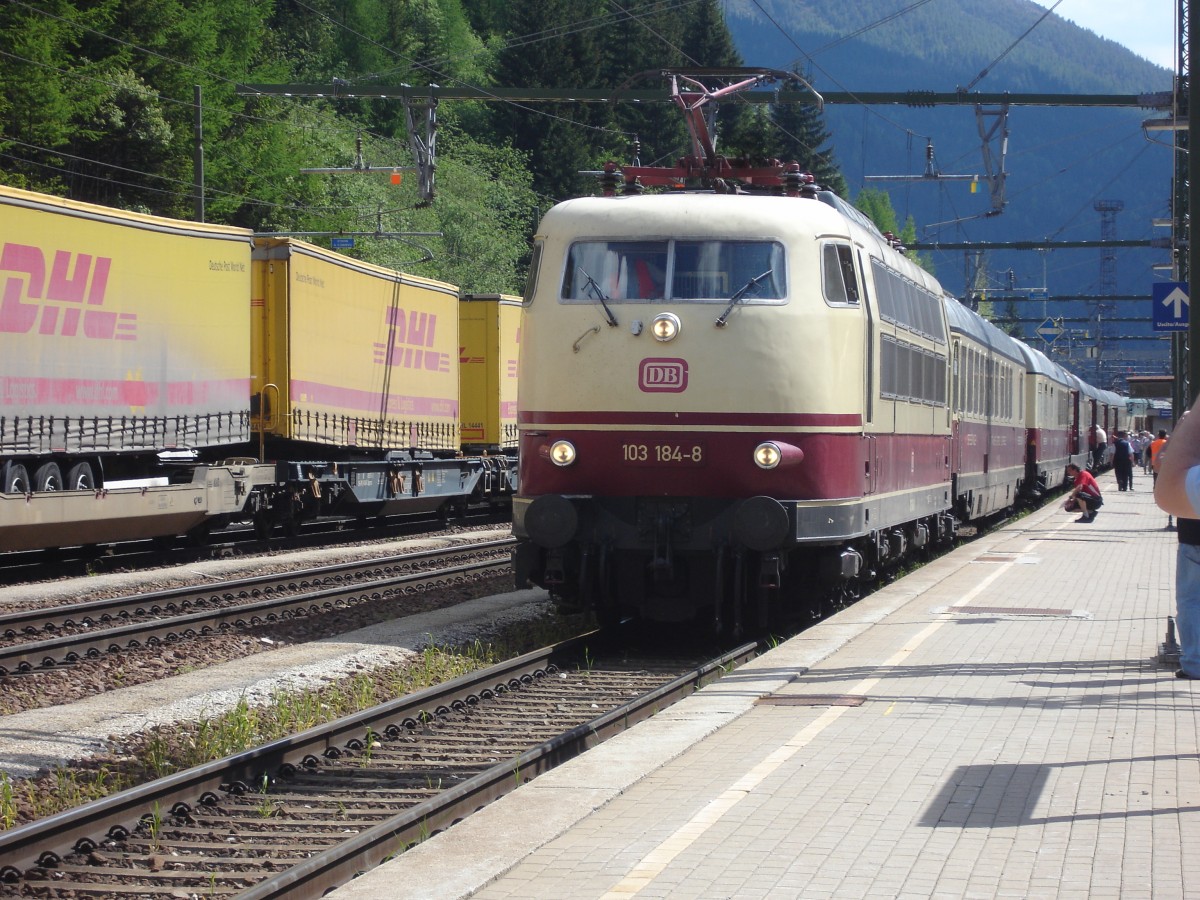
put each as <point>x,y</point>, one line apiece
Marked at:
<point>1178,299</point>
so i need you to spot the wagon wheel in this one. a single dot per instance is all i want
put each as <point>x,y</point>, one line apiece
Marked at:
<point>16,480</point>
<point>48,477</point>
<point>80,478</point>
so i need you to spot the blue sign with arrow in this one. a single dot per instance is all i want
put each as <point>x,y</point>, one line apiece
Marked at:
<point>1049,331</point>
<point>1171,304</point>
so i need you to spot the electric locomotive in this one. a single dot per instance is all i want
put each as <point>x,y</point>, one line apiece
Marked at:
<point>724,402</point>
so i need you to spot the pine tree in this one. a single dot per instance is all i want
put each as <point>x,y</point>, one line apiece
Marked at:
<point>708,44</point>
<point>547,49</point>
<point>800,135</point>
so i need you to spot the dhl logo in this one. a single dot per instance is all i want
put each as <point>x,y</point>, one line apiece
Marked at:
<point>411,336</point>
<point>63,302</point>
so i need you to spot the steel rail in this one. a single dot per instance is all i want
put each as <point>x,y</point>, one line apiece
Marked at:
<point>48,654</point>
<point>338,865</point>
<point>43,844</point>
<point>15,622</point>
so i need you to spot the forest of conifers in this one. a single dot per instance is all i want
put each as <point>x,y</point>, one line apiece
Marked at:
<point>97,104</point>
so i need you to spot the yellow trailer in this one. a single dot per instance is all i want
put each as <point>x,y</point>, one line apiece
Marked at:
<point>490,328</point>
<point>119,332</point>
<point>351,355</point>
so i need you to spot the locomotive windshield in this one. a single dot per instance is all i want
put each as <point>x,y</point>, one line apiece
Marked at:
<point>683,271</point>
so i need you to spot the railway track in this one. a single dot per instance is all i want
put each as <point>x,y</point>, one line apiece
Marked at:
<point>304,814</point>
<point>38,565</point>
<point>42,639</point>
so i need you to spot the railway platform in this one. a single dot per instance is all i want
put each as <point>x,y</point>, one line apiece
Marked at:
<point>999,723</point>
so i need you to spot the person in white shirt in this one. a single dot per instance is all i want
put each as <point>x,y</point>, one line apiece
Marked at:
<point>1101,443</point>
<point>1177,491</point>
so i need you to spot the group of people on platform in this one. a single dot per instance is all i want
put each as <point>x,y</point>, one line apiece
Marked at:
<point>1132,449</point>
<point>1129,450</point>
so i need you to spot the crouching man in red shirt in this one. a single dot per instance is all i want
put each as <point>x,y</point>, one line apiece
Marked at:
<point>1086,495</point>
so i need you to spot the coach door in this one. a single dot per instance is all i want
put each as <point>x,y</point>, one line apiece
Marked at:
<point>870,442</point>
<point>1073,439</point>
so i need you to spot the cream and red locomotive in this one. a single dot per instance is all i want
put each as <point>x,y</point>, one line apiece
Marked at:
<point>735,406</point>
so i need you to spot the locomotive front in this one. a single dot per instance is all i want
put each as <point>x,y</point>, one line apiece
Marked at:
<point>690,402</point>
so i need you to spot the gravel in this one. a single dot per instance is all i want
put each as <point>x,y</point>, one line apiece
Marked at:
<point>74,712</point>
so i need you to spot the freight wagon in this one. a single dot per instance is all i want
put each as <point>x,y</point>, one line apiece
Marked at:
<point>160,377</point>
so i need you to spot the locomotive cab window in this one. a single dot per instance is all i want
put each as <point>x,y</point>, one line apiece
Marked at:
<point>841,283</point>
<point>683,271</point>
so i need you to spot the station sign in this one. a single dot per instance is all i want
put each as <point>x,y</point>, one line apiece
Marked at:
<point>1171,304</point>
<point>342,243</point>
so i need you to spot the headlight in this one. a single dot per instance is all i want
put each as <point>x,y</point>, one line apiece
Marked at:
<point>665,326</point>
<point>767,455</point>
<point>562,453</point>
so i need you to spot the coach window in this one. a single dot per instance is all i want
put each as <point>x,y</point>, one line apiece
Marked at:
<point>841,282</point>
<point>960,375</point>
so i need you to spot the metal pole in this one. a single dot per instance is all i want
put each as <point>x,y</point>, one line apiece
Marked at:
<point>1193,194</point>
<point>198,157</point>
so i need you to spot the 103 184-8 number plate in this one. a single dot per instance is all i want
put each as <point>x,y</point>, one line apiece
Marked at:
<point>663,454</point>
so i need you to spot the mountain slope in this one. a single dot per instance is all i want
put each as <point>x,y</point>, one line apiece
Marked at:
<point>1060,161</point>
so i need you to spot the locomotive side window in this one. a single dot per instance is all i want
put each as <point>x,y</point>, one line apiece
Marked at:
<point>841,282</point>
<point>883,290</point>
<point>905,303</point>
<point>535,266</point>
<point>686,271</point>
<point>908,372</point>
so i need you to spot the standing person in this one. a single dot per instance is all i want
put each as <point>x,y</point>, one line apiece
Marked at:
<point>1101,444</point>
<point>1156,447</point>
<point>1123,461</point>
<point>1086,495</point>
<point>1155,451</point>
<point>1137,441</point>
<point>1177,491</point>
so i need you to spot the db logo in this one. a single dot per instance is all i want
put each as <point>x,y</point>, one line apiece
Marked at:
<point>663,376</point>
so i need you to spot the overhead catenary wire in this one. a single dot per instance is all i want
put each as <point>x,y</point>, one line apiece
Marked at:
<point>988,68</point>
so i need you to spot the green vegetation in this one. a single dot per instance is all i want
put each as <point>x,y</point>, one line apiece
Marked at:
<point>877,206</point>
<point>97,103</point>
<point>163,750</point>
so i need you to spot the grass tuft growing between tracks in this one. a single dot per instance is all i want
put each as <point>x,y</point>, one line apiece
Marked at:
<point>164,750</point>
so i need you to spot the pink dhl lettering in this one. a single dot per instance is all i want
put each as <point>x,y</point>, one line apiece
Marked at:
<point>416,329</point>
<point>76,281</point>
<point>467,360</point>
<point>411,333</point>
<point>412,358</point>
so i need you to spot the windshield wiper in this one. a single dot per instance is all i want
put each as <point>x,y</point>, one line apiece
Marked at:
<point>738,295</point>
<point>591,285</point>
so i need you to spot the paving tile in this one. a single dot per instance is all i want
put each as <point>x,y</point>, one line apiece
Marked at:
<point>997,755</point>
